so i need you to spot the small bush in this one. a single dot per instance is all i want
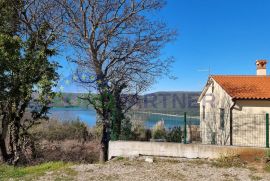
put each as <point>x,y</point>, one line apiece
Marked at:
<point>95,132</point>
<point>267,155</point>
<point>267,167</point>
<point>68,151</point>
<point>174,135</point>
<point>70,141</point>
<point>159,131</point>
<point>126,127</point>
<point>138,131</point>
<point>53,130</point>
<point>229,161</point>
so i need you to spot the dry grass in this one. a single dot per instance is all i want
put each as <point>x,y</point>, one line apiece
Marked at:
<point>255,177</point>
<point>68,151</point>
<point>229,161</point>
<point>53,130</point>
<point>253,159</point>
<point>70,141</point>
<point>252,155</point>
<point>199,161</point>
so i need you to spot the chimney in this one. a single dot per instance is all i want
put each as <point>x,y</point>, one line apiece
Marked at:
<point>261,67</point>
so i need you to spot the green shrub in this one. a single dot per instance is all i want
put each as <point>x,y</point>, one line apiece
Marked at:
<point>126,133</point>
<point>229,161</point>
<point>138,131</point>
<point>159,131</point>
<point>174,135</point>
<point>267,167</point>
<point>267,154</point>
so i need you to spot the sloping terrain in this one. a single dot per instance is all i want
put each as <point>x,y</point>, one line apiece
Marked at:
<point>172,170</point>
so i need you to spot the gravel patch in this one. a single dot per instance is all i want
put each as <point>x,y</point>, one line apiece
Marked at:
<point>162,169</point>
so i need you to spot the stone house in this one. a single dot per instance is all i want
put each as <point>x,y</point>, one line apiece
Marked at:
<point>233,108</point>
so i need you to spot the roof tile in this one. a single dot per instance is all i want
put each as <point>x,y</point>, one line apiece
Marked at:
<point>245,87</point>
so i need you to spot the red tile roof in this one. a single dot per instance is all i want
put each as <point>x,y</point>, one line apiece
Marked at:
<point>245,87</point>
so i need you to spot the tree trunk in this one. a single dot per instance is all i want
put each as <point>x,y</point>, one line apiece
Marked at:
<point>3,149</point>
<point>104,144</point>
<point>3,146</point>
<point>14,134</point>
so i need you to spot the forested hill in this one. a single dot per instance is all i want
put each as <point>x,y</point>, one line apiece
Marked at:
<point>69,100</point>
<point>171,101</point>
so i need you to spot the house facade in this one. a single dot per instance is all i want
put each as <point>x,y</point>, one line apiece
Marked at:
<point>233,108</point>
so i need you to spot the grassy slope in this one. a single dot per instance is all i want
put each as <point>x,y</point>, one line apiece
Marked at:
<point>224,168</point>
<point>33,172</point>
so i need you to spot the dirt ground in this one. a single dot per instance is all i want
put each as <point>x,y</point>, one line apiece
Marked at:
<point>161,169</point>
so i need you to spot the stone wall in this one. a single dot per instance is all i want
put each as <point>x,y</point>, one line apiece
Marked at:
<point>136,148</point>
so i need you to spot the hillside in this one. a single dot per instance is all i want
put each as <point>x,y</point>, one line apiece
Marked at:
<point>167,102</point>
<point>170,102</point>
<point>69,100</point>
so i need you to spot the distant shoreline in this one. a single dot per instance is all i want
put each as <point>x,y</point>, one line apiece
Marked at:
<point>72,107</point>
<point>163,114</point>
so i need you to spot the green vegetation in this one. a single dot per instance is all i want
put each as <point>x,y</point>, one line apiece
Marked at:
<point>70,141</point>
<point>198,162</point>
<point>229,161</point>
<point>174,135</point>
<point>70,100</point>
<point>255,177</point>
<point>267,154</point>
<point>159,131</point>
<point>119,158</point>
<point>126,129</point>
<point>267,159</point>
<point>31,34</point>
<point>267,167</point>
<point>32,172</point>
<point>27,75</point>
<point>135,130</point>
<point>138,132</point>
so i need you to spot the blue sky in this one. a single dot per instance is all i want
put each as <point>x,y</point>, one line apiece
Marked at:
<point>226,35</point>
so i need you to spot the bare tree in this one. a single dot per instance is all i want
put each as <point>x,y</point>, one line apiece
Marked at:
<point>117,46</point>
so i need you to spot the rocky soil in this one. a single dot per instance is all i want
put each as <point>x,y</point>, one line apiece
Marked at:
<point>161,169</point>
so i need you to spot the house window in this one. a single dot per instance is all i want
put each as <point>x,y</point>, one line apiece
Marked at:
<point>203,112</point>
<point>213,88</point>
<point>222,119</point>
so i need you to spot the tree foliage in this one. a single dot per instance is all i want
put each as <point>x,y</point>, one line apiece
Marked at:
<point>117,49</point>
<point>26,73</point>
